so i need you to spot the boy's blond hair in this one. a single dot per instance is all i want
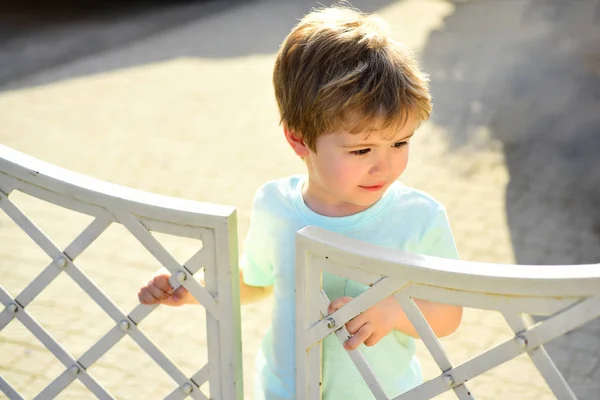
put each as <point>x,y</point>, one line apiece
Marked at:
<point>339,68</point>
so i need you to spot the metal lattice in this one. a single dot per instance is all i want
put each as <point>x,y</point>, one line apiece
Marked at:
<point>140,213</point>
<point>569,295</point>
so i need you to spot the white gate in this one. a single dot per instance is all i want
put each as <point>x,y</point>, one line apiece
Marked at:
<point>569,295</point>
<point>140,213</point>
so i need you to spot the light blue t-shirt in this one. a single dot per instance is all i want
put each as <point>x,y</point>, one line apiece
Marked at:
<point>403,218</point>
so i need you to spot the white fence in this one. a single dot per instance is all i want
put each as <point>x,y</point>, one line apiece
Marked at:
<point>569,295</point>
<point>140,213</point>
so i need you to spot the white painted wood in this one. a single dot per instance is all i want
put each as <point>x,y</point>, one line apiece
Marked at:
<point>569,294</point>
<point>6,315</point>
<point>81,242</point>
<point>8,390</point>
<point>140,212</point>
<point>463,393</point>
<point>541,359</point>
<point>178,394</point>
<point>213,330</point>
<point>168,261</point>
<point>517,280</point>
<point>359,275</point>
<point>314,311</point>
<point>314,373</point>
<point>63,380</point>
<point>202,375</point>
<point>303,321</point>
<point>536,305</point>
<point>101,347</point>
<point>57,199</point>
<point>110,196</point>
<point>379,291</point>
<point>363,367</point>
<point>425,332</point>
<point>228,285</point>
<point>7,184</point>
<point>29,228</point>
<point>86,237</point>
<point>63,356</point>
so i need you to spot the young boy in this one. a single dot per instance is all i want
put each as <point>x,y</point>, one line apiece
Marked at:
<point>350,99</point>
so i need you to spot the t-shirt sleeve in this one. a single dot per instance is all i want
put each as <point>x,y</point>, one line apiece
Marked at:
<point>256,258</point>
<point>437,240</point>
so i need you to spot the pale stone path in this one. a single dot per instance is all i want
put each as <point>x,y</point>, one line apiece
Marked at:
<point>204,127</point>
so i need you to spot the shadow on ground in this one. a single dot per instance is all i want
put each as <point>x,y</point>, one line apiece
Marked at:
<point>36,43</point>
<point>528,74</point>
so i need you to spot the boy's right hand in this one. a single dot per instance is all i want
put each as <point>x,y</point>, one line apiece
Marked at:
<point>159,291</point>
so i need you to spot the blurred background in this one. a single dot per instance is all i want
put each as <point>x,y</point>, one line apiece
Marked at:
<point>175,97</point>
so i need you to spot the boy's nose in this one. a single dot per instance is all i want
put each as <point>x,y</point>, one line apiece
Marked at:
<point>382,165</point>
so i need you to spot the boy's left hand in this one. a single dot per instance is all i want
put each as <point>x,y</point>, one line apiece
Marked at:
<point>372,325</point>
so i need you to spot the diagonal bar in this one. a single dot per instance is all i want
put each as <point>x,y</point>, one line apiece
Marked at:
<point>59,352</point>
<point>79,244</point>
<point>363,366</point>
<point>94,292</point>
<point>532,338</point>
<point>6,186</point>
<point>29,227</point>
<point>83,281</point>
<point>382,289</point>
<point>6,315</point>
<point>8,390</point>
<point>182,393</point>
<point>69,375</point>
<point>202,375</point>
<point>100,348</point>
<point>425,331</point>
<point>167,260</point>
<point>181,218</point>
<point>542,361</point>
<point>116,333</point>
<point>195,263</point>
<point>431,341</point>
<point>159,357</point>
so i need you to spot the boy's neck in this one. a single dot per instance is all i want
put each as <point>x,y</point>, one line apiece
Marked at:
<point>328,207</point>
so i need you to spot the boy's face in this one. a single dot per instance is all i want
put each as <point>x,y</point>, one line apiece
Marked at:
<point>348,173</point>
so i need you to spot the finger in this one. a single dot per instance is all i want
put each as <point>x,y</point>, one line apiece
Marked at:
<point>162,282</point>
<point>373,340</point>
<point>146,297</point>
<point>157,292</point>
<point>338,303</point>
<point>180,293</point>
<point>355,324</point>
<point>363,334</point>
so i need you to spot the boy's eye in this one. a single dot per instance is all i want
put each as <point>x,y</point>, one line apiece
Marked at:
<point>360,152</point>
<point>400,144</point>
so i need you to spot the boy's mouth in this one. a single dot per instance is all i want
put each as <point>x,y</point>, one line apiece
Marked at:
<point>373,188</point>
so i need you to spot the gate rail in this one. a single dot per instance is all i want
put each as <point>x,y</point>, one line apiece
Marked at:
<point>140,213</point>
<point>569,295</point>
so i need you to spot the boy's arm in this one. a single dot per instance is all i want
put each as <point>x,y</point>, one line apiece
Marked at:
<point>444,319</point>
<point>252,294</point>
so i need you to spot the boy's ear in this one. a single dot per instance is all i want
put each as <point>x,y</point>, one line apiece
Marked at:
<point>297,143</point>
